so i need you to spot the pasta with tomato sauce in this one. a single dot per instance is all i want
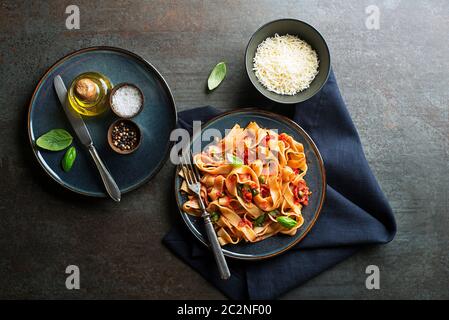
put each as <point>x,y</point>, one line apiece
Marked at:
<point>252,184</point>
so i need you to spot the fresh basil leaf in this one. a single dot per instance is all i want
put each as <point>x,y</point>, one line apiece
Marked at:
<point>273,213</point>
<point>260,220</point>
<point>254,192</point>
<point>214,216</point>
<point>239,190</point>
<point>235,161</point>
<point>286,222</point>
<point>216,76</point>
<point>69,159</point>
<point>55,140</point>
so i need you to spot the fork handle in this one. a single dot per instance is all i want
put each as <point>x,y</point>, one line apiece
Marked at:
<point>216,248</point>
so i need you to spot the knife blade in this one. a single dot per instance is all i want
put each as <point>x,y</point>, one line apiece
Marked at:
<point>83,135</point>
<point>74,118</point>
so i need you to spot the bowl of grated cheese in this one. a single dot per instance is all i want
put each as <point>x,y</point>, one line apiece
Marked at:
<point>287,60</point>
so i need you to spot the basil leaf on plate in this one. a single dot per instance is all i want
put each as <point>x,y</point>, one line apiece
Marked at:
<point>69,159</point>
<point>216,76</point>
<point>235,161</point>
<point>54,140</point>
<point>254,192</point>
<point>214,216</point>
<point>239,190</point>
<point>286,222</point>
<point>260,220</point>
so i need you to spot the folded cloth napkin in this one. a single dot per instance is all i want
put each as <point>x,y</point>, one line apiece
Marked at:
<point>355,212</point>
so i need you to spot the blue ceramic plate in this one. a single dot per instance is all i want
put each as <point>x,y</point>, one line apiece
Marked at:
<point>157,120</point>
<point>315,178</point>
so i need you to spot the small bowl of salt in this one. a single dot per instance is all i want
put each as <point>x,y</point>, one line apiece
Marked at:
<point>126,100</point>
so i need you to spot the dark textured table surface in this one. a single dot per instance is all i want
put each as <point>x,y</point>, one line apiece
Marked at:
<point>395,83</point>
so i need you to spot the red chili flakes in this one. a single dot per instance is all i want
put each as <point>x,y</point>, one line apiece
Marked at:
<point>245,222</point>
<point>247,196</point>
<point>264,191</point>
<point>245,156</point>
<point>301,193</point>
<point>283,137</point>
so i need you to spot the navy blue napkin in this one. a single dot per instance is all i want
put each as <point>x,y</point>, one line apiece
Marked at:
<point>355,214</point>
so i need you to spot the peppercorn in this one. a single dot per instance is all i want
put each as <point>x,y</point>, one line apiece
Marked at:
<point>124,136</point>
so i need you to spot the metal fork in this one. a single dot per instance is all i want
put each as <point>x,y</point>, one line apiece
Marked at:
<point>192,178</point>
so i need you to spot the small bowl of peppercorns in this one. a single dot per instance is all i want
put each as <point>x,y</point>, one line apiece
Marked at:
<point>124,136</point>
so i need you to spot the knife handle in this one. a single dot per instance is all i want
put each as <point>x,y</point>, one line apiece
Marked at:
<point>108,180</point>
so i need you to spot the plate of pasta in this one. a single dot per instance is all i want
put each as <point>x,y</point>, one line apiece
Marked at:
<point>262,182</point>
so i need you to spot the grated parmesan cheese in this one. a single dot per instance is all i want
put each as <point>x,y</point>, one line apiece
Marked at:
<point>285,64</point>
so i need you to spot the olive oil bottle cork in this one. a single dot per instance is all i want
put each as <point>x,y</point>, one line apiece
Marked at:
<point>89,93</point>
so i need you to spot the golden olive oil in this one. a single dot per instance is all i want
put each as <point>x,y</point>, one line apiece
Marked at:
<point>100,102</point>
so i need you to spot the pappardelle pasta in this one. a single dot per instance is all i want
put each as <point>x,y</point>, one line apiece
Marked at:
<point>252,184</point>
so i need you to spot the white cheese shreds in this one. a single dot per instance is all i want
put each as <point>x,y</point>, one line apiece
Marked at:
<point>127,101</point>
<point>285,64</point>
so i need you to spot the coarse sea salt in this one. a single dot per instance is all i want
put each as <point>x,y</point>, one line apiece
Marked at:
<point>127,101</point>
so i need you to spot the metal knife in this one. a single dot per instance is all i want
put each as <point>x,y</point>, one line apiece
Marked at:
<point>83,134</point>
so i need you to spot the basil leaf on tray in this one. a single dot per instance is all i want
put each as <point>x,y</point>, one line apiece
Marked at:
<point>54,140</point>
<point>216,76</point>
<point>69,159</point>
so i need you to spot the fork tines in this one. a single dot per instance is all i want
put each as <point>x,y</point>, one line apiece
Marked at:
<point>190,172</point>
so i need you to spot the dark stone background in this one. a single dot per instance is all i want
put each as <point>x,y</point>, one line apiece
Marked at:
<point>394,81</point>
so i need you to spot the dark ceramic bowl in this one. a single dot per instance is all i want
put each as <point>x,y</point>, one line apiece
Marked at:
<point>305,32</point>
<point>114,90</point>
<point>129,123</point>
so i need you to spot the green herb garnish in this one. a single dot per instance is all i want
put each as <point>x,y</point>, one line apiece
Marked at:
<point>260,220</point>
<point>69,159</point>
<point>286,222</point>
<point>273,213</point>
<point>254,192</point>
<point>216,76</point>
<point>214,216</point>
<point>235,161</point>
<point>262,179</point>
<point>239,189</point>
<point>55,140</point>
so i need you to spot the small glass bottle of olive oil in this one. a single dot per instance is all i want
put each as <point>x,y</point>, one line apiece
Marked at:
<point>89,93</point>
